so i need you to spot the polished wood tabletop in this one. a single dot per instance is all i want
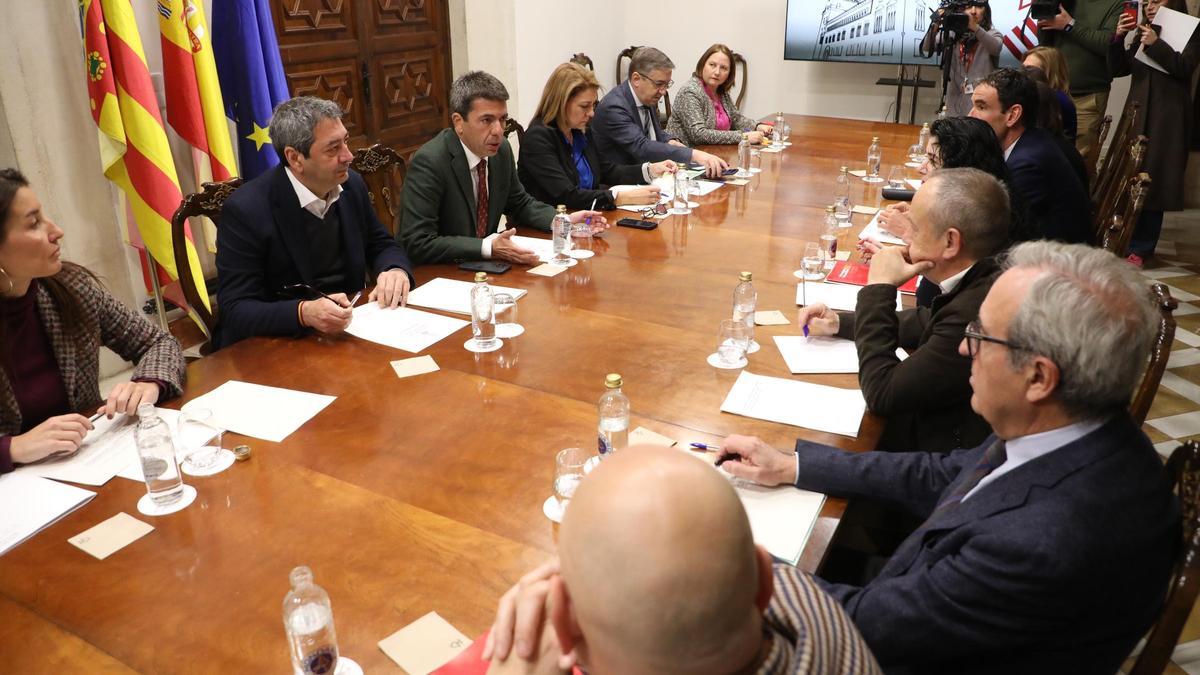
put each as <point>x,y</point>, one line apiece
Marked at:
<point>425,493</point>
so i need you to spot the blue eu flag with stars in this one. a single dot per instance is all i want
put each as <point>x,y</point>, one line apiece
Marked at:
<point>252,78</point>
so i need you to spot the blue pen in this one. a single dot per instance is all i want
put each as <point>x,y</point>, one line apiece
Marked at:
<point>705,446</point>
<point>806,330</point>
<point>588,222</point>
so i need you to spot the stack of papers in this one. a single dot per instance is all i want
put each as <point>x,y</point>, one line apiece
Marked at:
<point>807,355</point>
<point>450,295</point>
<point>781,518</point>
<point>544,248</point>
<point>874,231</point>
<point>402,328</point>
<point>834,296</point>
<point>269,413</point>
<point>800,404</point>
<point>31,504</point>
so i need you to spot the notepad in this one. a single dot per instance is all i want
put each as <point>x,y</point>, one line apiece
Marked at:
<point>451,295</point>
<point>110,536</point>
<point>30,504</point>
<point>800,404</point>
<point>807,355</point>
<point>269,413</point>
<point>841,297</point>
<point>643,436</point>
<point>544,248</point>
<point>402,327</point>
<point>874,231</point>
<point>425,644</point>
<point>781,518</point>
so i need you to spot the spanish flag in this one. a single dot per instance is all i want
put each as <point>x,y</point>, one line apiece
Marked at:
<point>194,107</point>
<point>133,142</point>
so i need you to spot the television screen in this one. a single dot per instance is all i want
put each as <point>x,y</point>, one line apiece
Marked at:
<point>889,31</point>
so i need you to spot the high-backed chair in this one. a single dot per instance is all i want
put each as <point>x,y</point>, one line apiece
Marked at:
<point>1105,127</point>
<point>584,60</point>
<point>208,202</point>
<point>1124,166</point>
<point>1126,212</point>
<point>512,125</point>
<point>664,115</point>
<point>743,79</point>
<point>1160,351</point>
<point>383,170</point>
<point>1120,141</point>
<point>1183,468</point>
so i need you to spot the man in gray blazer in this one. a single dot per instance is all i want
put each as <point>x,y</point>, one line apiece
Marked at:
<point>461,182</point>
<point>626,127</point>
<point>1046,549</point>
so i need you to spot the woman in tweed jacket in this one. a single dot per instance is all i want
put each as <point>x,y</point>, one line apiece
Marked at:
<point>703,113</point>
<point>54,316</point>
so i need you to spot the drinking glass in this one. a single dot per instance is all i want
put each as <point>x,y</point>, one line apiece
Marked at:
<point>679,196</point>
<point>896,178</point>
<point>755,160</point>
<point>200,437</point>
<point>733,339</point>
<point>570,465</point>
<point>504,307</point>
<point>787,132</point>
<point>812,265</point>
<point>916,155</point>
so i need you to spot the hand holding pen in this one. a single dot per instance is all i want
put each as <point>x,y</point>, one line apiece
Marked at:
<point>748,457</point>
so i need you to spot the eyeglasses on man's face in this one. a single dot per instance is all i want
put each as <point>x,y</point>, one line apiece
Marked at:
<point>660,85</point>
<point>974,335</point>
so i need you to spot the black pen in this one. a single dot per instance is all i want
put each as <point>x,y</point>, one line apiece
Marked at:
<point>306,287</point>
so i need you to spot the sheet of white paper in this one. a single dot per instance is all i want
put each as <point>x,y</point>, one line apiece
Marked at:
<point>451,295</point>
<point>800,404</point>
<point>544,248</point>
<point>817,354</point>
<point>842,297</point>
<point>269,413</point>
<point>402,328</point>
<point>1177,29</point>
<point>873,231</point>
<point>781,518</point>
<point>914,183</point>
<point>30,504</point>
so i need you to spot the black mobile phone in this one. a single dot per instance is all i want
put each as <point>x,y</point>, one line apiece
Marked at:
<point>637,224</point>
<point>730,171</point>
<point>489,266</point>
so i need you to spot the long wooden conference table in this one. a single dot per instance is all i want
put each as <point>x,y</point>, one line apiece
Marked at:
<point>425,494</point>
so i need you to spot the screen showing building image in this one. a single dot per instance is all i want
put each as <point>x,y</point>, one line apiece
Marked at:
<point>888,31</point>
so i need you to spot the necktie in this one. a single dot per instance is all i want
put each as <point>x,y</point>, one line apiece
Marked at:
<point>646,119</point>
<point>481,201</point>
<point>992,458</point>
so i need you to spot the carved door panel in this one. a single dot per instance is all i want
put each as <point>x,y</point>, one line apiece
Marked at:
<point>386,62</point>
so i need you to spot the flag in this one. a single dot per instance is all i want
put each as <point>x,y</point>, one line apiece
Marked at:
<point>194,107</point>
<point>133,142</point>
<point>1022,38</point>
<point>252,79</point>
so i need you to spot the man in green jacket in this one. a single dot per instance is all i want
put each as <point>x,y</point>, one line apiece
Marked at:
<point>461,182</point>
<point>1082,31</point>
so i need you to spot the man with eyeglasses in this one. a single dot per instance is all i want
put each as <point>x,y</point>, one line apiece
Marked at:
<point>1048,547</point>
<point>959,220</point>
<point>626,126</point>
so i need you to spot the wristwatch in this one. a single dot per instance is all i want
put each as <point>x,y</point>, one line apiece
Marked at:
<point>1069,27</point>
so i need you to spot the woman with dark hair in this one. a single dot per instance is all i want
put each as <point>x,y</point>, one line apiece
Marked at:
<point>703,112</point>
<point>1166,114</point>
<point>971,58</point>
<point>54,316</point>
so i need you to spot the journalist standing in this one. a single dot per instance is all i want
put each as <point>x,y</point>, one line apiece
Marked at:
<point>972,55</point>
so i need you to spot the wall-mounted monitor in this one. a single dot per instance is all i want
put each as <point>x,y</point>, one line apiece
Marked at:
<point>889,31</point>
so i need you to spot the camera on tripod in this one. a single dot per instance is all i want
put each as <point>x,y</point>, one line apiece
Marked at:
<point>953,17</point>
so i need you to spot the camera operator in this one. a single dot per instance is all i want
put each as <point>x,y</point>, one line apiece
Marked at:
<point>1081,31</point>
<point>971,46</point>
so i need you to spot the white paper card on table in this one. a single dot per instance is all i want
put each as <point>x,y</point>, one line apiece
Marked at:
<point>547,270</point>
<point>800,404</point>
<point>781,518</point>
<point>451,295</point>
<point>424,645</point>
<point>31,504</point>
<point>643,436</point>
<point>808,355</point>
<point>402,327</point>
<point>110,536</point>
<point>843,297</point>
<point>418,365</point>
<point>874,231</point>
<point>544,248</point>
<point>914,183</point>
<point>864,210</point>
<point>269,413</point>
<point>842,255</point>
<point>771,317</point>
<point>860,173</point>
<point>1177,30</point>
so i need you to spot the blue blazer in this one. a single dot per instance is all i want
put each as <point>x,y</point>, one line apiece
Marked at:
<point>264,247</point>
<point>617,129</point>
<point>1057,203</point>
<point>1057,566</point>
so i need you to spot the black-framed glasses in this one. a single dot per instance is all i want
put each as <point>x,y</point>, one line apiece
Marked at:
<point>975,335</point>
<point>658,84</point>
<point>657,210</point>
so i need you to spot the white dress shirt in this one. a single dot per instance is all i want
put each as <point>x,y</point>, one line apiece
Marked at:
<point>473,161</point>
<point>1009,149</point>
<point>952,283</point>
<point>318,206</point>
<point>1025,449</point>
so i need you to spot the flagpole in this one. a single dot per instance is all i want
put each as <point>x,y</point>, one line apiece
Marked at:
<point>158,296</point>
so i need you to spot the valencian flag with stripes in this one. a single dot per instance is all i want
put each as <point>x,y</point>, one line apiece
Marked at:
<point>252,78</point>
<point>194,107</point>
<point>133,142</point>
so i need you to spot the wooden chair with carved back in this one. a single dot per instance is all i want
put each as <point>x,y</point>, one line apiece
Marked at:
<point>1128,209</point>
<point>1105,127</point>
<point>1103,180</point>
<point>208,203</point>
<point>1160,351</point>
<point>743,79</point>
<point>512,125</point>
<point>1183,469</point>
<point>1125,166</point>
<point>664,115</point>
<point>383,170</point>
<point>583,60</point>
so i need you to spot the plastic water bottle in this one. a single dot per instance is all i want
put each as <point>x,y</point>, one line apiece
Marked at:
<point>829,236</point>
<point>923,138</point>
<point>744,155</point>
<point>777,130</point>
<point>842,195</point>
<point>745,299</point>
<point>308,620</point>
<point>614,416</point>
<point>483,317</point>
<point>157,452</point>
<point>874,158</point>
<point>561,233</point>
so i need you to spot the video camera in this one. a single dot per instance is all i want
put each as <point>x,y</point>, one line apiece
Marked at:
<point>1043,9</point>
<point>952,16</point>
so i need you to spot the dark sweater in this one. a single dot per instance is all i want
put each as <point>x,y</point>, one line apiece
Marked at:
<point>1086,47</point>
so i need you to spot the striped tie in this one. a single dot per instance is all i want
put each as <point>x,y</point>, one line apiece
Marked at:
<point>992,458</point>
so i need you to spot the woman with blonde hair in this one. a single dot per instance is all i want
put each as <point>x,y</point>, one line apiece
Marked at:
<point>1052,63</point>
<point>704,113</point>
<point>559,163</point>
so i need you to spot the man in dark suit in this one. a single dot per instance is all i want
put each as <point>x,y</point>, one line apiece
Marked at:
<point>461,182</point>
<point>1046,549</point>
<point>959,221</point>
<point>626,127</point>
<point>1058,203</point>
<point>307,221</point>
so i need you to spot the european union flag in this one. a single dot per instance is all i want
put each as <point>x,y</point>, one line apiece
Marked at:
<point>252,78</point>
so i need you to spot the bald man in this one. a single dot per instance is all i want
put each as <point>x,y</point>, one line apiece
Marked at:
<point>658,573</point>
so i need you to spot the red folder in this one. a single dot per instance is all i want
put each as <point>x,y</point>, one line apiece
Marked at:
<point>470,661</point>
<point>855,274</point>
